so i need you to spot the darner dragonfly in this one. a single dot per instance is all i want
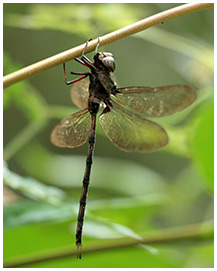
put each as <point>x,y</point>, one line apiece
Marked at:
<point>122,117</point>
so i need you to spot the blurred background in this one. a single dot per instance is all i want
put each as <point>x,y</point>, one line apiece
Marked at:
<point>131,194</point>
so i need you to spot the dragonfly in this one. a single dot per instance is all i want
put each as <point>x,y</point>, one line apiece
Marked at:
<point>123,117</point>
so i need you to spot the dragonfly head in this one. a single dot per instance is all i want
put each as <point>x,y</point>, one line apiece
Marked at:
<point>105,60</point>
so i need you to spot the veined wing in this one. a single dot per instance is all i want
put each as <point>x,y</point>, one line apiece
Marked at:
<point>79,93</point>
<point>132,133</point>
<point>73,131</point>
<point>156,102</point>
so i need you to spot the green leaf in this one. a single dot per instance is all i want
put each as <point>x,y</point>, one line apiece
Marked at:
<point>57,237</point>
<point>125,178</point>
<point>202,143</point>
<point>193,49</point>
<point>85,18</point>
<point>24,95</point>
<point>32,188</point>
<point>26,212</point>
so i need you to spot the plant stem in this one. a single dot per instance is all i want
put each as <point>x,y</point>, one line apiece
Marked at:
<point>195,232</point>
<point>22,138</point>
<point>104,40</point>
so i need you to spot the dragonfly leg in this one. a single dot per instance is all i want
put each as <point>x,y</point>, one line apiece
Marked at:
<point>87,61</point>
<point>85,47</point>
<point>97,46</point>
<point>85,74</point>
<point>82,62</point>
<point>80,73</point>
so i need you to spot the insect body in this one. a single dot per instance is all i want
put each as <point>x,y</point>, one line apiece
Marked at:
<point>122,118</point>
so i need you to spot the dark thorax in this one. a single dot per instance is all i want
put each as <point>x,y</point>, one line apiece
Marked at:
<point>101,81</point>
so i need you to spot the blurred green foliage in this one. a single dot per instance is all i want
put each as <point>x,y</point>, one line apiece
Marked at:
<point>130,193</point>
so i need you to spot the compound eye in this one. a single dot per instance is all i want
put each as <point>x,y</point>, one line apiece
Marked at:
<point>107,60</point>
<point>109,63</point>
<point>105,54</point>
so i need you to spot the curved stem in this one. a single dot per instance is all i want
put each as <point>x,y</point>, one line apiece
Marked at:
<point>104,40</point>
<point>195,232</point>
<point>22,138</point>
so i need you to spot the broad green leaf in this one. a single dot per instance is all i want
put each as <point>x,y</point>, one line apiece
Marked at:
<point>202,143</point>
<point>125,178</point>
<point>31,187</point>
<point>39,238</point>
<point>26,212</point>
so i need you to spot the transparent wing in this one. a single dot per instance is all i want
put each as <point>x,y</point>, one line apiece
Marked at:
<point>132,133</point>
<point>156,102</point>
<point>79,93</point>
<point>73,131</point>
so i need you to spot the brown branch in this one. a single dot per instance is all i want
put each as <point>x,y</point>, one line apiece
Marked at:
<point>106,39</point>
<point>195,232</point>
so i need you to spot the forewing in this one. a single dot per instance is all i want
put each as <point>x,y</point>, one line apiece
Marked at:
<point>79,93</point>
<point>156,102</point>
<point>73,131</point>
<point>132,133</point>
